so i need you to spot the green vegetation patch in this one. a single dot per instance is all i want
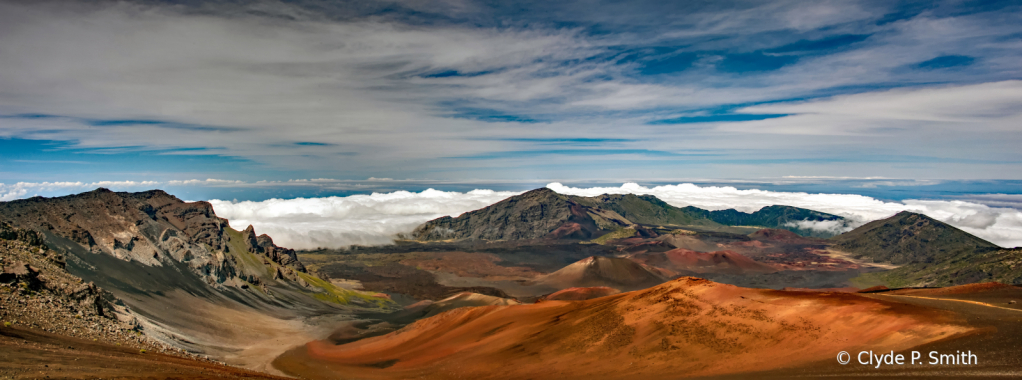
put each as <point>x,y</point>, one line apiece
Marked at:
<point>254,263</point>
<point>1004,266</point>
<point>614,235</point>
<point>335,294</point>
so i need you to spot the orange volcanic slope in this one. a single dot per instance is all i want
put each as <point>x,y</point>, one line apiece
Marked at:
<point>580,294</point>
<point>686,327</point>
<point>602,271</point>
<point>681,259</point>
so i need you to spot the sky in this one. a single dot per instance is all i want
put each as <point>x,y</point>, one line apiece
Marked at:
<point>262,100</point>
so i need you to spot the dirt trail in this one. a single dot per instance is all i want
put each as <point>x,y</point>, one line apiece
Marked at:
<point>833,253</point>
<point>954,300</point>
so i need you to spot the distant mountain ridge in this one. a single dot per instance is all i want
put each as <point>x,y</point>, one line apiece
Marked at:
<point>545,214</point>
<point>907,238</point>
<point>930,252</point>
<point>776,216</point>
<point>535,214</point>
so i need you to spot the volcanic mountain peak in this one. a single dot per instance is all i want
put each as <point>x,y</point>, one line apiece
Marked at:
<point>909,237</point>
<point>536,214</point>
<point>644,209</point>
<point>595,271</point>
<point>545,214</point>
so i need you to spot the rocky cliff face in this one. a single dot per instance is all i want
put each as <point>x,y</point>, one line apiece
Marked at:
<point>174,269</point>
<point>152,228</point>
<point>37,291</point>
<point>263,245</point>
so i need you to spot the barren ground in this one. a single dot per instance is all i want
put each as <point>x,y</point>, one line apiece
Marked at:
<point>33,354</point>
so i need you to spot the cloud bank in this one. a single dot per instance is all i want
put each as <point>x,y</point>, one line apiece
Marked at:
<point>305,223</point>
<point>1001,226</point>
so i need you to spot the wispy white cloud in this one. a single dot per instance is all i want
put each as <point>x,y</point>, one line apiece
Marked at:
<point>206,182</point>
<point>980,108</point>
<point>358,219</point>
<point>388,96</point>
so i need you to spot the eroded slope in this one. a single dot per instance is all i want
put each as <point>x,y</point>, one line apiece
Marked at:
<point>687,327</point>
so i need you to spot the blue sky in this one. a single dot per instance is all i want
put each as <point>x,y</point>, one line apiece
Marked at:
<point>509,95</point>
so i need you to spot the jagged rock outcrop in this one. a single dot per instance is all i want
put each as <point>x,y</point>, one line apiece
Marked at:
<point>152,227</point>
<point>159,261</point>
<point>263,244</point>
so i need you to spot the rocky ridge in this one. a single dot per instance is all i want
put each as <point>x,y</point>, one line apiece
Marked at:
<point>165,260</point>
<point>545,214</point>
<point>153,228</point>
<point>37,292</point>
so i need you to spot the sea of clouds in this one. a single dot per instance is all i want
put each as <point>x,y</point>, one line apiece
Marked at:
<point>305,223</point>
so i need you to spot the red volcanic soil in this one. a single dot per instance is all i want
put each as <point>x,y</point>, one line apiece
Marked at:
<point>833,290</point>
<point>568,231</point>
<point>467,264</point>
<point>582,294</point>
<point>688,242</point>
<point>645,246</point>
<point>874,289</point>
<point>681,259</point>
<point>686,327</point>
<point>36,354</point>
<point>603,271</point>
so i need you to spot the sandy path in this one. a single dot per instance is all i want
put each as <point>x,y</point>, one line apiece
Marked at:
<point>848,257</point>
<point>954,300</point>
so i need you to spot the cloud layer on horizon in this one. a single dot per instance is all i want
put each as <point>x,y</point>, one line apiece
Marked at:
<point>375,219</point>
<point>332,222</point>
